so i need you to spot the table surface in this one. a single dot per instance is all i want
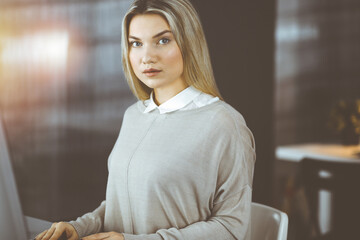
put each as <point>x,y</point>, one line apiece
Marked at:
<point>326,152</point>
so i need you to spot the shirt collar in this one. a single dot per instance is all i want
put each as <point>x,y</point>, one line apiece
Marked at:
<point>177,102</point>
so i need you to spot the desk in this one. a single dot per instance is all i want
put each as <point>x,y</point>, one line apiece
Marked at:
<point>327,152</point>
<point>287,172</point>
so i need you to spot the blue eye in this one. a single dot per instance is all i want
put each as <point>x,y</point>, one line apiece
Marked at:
<point>135,44</point>
<point>164,41</point>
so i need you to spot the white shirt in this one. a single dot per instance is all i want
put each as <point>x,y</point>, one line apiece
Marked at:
<point>189,98</point>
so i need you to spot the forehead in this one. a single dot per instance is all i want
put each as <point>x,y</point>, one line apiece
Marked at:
<point>144,25</point>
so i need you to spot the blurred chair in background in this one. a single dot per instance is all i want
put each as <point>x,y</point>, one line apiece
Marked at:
<point>268,223</point>
<point>340,181</point>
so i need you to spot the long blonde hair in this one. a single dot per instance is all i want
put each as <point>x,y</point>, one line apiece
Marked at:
<point>185,25</point>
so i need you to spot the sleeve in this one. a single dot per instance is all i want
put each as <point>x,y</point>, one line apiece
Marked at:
<point>230,216</point>
<point>91,222</point>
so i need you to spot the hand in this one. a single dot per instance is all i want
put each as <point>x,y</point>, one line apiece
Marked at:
<point>56,230</point>
<point>106,235</point>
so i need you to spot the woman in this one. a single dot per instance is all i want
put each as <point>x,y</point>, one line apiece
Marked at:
<point>183,163</point>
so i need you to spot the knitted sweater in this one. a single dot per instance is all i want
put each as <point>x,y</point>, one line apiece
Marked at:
<point>182,175</point>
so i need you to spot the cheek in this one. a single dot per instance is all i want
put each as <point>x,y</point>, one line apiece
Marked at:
<point>133,61</point>
<point>174,57</point>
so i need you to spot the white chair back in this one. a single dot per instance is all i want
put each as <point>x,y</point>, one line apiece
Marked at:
<point>268,223</point>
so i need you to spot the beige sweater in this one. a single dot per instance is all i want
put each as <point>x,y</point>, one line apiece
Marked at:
<point>182,175</point>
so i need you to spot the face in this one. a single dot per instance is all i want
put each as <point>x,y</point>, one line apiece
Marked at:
<point>154,54</point>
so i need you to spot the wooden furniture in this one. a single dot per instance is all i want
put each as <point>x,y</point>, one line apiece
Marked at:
<point>329,175</point>
<point>340,180</point>
<point>326,152</point>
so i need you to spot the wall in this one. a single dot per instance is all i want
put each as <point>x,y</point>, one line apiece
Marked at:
<point>317,64</point>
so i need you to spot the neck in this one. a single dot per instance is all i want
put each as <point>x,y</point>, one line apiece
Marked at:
<point>162,95</point>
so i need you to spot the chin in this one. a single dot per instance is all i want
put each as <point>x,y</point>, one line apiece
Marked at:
<point>152,83</point>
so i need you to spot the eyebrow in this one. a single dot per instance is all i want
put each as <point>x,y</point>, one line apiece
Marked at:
<point>155,36</point>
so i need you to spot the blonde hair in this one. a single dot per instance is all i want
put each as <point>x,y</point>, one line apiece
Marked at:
<point>185,25</point>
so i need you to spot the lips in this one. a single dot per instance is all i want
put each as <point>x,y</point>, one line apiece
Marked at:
<point>151,72</point>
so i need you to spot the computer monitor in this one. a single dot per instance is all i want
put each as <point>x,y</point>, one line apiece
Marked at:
<point>12,222</point>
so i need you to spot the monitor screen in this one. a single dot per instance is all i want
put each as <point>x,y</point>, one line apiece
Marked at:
<point>12,224</point>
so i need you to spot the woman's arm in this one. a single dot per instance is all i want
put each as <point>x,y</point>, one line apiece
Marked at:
<point>85,225</point>
<point>90,223</point>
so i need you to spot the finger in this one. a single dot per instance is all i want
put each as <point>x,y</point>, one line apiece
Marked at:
<point>40,235</point>
<point>48,233</point>
<point>60,228</point>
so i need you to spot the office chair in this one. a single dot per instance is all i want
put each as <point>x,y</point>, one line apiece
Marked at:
<point>342,180</point>
<point>268,223</point>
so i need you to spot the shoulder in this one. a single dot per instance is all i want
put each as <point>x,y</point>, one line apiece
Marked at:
<point>227,114</point>
<point>227,118</point>
<point>232,124</point>
<point>133,109</point>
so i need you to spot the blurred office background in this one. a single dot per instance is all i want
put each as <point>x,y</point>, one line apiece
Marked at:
<point>283,64</point>
<point>62,94</point>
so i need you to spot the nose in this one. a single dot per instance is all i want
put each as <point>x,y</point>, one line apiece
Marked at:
<point>149,55</point>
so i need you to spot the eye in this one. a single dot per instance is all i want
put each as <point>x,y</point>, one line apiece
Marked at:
<point>135,44</point>
<point>164,41</point>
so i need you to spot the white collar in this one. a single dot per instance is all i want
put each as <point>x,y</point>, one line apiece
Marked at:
<point>177,102</point>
